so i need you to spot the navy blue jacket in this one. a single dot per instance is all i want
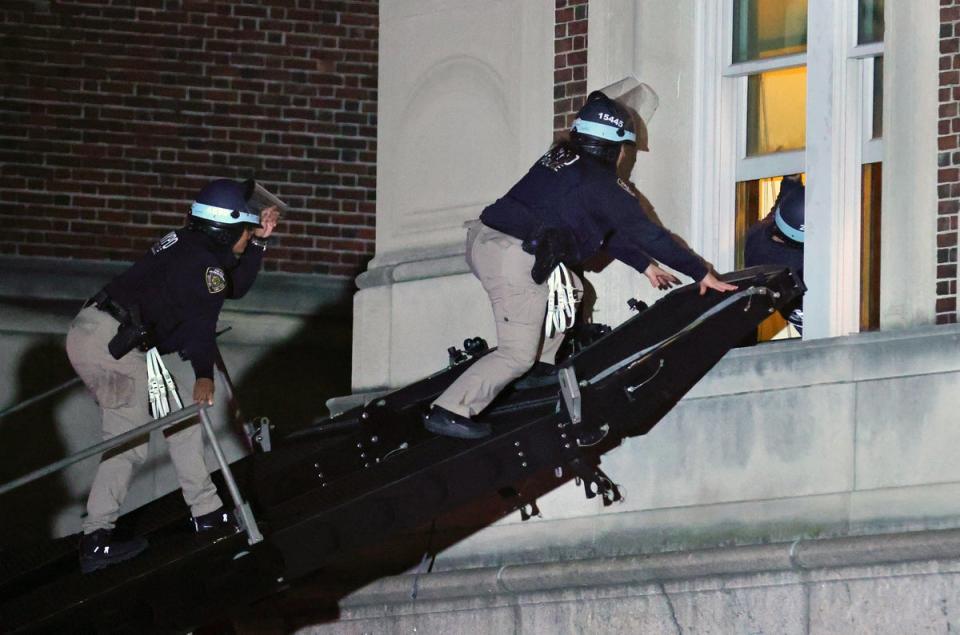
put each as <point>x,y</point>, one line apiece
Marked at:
<point>762,249</point>
<point>579,193</point>
<point>179,287</point>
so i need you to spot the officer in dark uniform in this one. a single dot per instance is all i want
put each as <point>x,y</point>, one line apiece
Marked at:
<point>569,205</point>
<point>778,240</point>
<point>169,299</point>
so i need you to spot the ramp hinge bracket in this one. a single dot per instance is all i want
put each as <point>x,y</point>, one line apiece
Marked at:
<point>570,388</point>
<point>596,482</point>
<point>257,432</point>
<point>529,510</point>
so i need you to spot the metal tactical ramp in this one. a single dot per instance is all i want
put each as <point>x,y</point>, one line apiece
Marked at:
<point>367,493</point>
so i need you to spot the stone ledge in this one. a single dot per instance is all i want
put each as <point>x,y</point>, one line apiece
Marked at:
<point>798,556</point>
<point>76,280</point>
<point>414,270</point>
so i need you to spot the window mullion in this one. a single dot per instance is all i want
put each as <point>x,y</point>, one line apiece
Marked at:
<point>832,251</point>
<point>760,66</point>
<point>866,50</point>
<point>779,164</point>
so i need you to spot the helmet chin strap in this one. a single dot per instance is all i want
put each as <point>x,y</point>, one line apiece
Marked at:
<point>606,152</point>
<point>226,236</point>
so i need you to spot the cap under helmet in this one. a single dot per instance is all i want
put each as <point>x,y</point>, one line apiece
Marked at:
<point>788,216</point>
<point>221,211</point>
<point>601,126</point>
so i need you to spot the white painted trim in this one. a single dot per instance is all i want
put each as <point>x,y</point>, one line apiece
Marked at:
<point>853,97</point>
<point>726,30</point>
<point>714,150</point>
<point>866,50</point>
<point>831,255</point>
<point>702,231</point>
<point>871,150</point>
<point>766,165</point>
<point>741,91</point>
<point>761,66</point>
<point>908,254</point>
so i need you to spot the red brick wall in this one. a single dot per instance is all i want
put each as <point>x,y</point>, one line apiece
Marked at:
<point>570,62</point>
<point>949,161</point>
<point>113,116</point>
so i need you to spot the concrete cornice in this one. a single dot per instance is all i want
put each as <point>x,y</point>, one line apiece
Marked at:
<point>75,280</point>
<point>798,556</point>
<point>419,269</point>
<point>851,358</point>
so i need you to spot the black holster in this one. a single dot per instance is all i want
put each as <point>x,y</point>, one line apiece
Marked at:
<point>550,246</point>
<point>131,333</point>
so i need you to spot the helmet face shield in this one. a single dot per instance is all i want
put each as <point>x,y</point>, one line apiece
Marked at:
<point>635,95</point>
<point>640,100</point>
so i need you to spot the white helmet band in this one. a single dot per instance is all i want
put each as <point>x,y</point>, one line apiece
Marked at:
<point>223,215</point>
<point>603,131</point>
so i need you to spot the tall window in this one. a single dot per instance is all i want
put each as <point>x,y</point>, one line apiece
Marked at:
<point>766,89</point>
<point>869,51</point>
<point>768,64</point>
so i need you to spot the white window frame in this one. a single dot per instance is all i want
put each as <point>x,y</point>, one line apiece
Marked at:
<point>871,149</point>
<point>838,143</point>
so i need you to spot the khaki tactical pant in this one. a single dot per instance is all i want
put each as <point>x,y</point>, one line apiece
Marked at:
<point>120,387</point>
<point>519,308</point>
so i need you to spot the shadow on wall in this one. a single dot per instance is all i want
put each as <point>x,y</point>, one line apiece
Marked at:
<point>30,441</point>
<point>291,381</point>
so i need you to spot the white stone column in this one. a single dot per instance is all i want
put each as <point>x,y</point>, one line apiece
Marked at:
<point>831,253</point>
<point>908,252</point>
<point>465,107</point>
<point>655,42</point>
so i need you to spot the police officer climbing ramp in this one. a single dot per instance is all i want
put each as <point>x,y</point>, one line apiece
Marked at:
<point>167,302</point>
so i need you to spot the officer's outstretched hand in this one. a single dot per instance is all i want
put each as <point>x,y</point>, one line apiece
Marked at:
<point>268,221</point>
<point>203,391</point>
<point>660,278</point>
<point>710,281</point>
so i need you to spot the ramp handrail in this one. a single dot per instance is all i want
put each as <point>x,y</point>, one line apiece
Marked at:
<point>243,512</point>
<point>40,397</point>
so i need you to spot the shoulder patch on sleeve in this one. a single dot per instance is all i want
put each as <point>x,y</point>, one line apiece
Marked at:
<point>216,280</point>
<point>626,188</point>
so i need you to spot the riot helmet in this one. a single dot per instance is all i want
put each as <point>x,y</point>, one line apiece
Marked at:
<point>601,127</point>
<point>221,210</point>
<point>788,216</point>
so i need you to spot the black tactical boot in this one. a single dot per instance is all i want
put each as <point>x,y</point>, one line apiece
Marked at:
<point>542,374</point>
<point>449,424</point>
<point>220,521</point>
<point>99,549</point>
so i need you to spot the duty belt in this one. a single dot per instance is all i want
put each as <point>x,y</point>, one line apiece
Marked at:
<point>105,303</point>
<point>131,333</point>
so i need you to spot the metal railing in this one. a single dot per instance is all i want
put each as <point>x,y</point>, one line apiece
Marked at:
<point>32,400</point>
<point>242,509</point>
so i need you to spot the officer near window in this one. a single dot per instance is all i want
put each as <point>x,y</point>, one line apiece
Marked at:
<point>563,211</point>
<point>778,240</point>
<point>169,300</point>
